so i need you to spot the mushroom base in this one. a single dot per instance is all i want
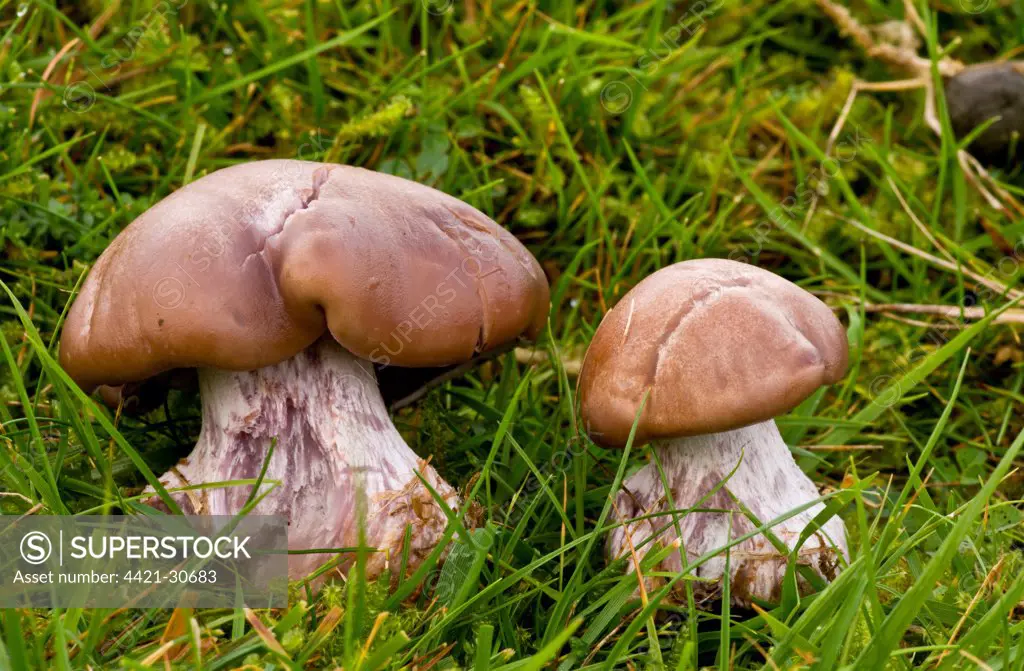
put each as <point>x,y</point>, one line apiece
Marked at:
<point>339,460</point>
<point>767,482</point>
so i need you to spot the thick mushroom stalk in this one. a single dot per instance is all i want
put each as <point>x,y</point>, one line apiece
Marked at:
<point>244,268</point>
<point>767,482</point>
<point>338,459</point>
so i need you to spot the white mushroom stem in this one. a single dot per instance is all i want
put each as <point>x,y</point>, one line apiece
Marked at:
<point>338,457</point>
<point>767,482</point>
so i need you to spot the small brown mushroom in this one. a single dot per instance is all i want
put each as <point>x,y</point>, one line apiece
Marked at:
<point>719,348</point>
<point>284,283</point>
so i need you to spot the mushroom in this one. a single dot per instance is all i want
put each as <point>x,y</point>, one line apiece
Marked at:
<point>284,283</point>
<point>718,348</point>
<point>987,91</point>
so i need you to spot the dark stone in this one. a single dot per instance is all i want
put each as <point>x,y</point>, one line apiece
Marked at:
<point>981,92</point>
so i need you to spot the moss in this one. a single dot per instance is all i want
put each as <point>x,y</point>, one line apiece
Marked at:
<point>377,124</point>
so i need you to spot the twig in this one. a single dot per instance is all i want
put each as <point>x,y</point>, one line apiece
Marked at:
<point>976,660</point>
<point>1011,316</point>
<point>921,69</point>
<point>94,30</point>
<point>158,653</point>
<point>16,495</point>
<point>919,323</point>
<point>897,56</point>
<point>857,87</point>
<point>530,356</point>
<point>265,634</point>
<point>999,288</point>
<point>985,586</point>
<point>917,222</point>
<point>600,644</point>
<point>628,533</point>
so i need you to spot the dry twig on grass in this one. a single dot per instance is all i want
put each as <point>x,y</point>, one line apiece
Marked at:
<point>904,57</point>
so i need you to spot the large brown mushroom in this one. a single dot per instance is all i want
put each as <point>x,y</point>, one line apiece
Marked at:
<point>283,282</point>
<point>718,348</point>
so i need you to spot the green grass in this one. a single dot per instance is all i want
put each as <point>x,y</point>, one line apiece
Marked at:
<point>612,144</point>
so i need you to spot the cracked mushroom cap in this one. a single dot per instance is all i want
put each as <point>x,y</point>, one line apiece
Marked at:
<point>718,344</point>
<point>251,264</point>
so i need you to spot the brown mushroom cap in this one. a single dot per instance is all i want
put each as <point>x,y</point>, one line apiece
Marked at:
<point>251,264</point>
<point>719,344</point>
